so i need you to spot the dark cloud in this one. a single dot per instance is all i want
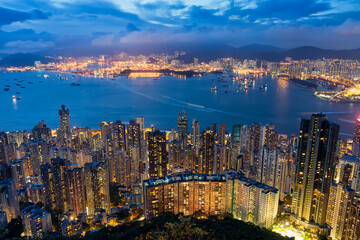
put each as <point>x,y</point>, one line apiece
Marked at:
<point>112,23</point>
<point>8,16</point>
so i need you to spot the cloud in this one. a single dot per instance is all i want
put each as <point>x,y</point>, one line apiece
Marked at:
<point>27,46</point>
<point>106,40</point>
<point>8,16</point>
<point>112,23</point>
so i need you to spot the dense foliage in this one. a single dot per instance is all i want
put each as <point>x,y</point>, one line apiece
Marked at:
<point>169,226</point>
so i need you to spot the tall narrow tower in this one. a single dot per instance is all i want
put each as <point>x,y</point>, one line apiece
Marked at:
<point>64,119</point>
<point>314,168</point>
<point>157,154</point>
<point>182,124</point>
<point>356,142</point>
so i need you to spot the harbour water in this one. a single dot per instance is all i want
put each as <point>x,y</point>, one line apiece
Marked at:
<point>160,100</point>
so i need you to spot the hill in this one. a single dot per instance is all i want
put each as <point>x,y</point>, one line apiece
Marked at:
<point>21,59</point>
<point>269,53</point>
<point>169,226</point>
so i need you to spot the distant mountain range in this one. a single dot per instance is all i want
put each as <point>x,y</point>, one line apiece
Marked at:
<point>204,53</point>
<point>21,59</point>
<point>271,53</point>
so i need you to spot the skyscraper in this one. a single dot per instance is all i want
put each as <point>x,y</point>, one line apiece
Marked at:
<point>182,124</point>
<point>36,221</point>
<point>221,135</point>
<point>97,187</point>
<point>158,160</point>
<point>8,199</point>
<point>314,169</point>
<point>236,133</point>
<point>356,140</point>
<point>195,135</point>
<point>18,173</point>
<point>65,129</point>
<point>60,182</point>
<point>76,190</point>
<point>208,142</point>
<point>133,137</point>
<point>119,136</point>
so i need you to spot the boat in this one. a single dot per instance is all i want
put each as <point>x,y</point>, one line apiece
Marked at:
<point>18,98</point>
<point>214,89</point>
<point>18,93</point>
<point>226,91</point>
<point>17,84</point>
<point>41,81</point>
<point>22,87</point>
<point>75,84</point>
<point>226,85</point>
<point>6,89</point>
<point>30,83</point>
<point>46,76</point>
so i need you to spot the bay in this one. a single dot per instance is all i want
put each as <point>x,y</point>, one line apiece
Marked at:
<point>160,101</point>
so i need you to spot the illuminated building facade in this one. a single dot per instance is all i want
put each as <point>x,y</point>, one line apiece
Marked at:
<point>65,130</point>
<point>8,199</point>
<point>356,139</point>
<point>158,160</point>
<point>182,124</point>
<point>18,173</point>
<point>314,169</point>
<point>185,193</point>
<point>340,201</point>
<point>77,201</point>
<point>36,221</point>
<point>251,201</point>
<point>206,164</point>
<point>97,187</point>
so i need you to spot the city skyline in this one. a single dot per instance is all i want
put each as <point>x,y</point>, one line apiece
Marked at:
<point>179,119</point>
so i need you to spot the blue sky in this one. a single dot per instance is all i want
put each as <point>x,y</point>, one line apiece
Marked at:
<point>36,25</point>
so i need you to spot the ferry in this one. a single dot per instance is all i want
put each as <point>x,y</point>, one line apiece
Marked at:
<point>16,98</point>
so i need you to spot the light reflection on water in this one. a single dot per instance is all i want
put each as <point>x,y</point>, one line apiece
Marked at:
<point>160,101</point>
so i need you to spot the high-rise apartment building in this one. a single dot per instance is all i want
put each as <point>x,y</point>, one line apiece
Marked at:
<point>97,187</point>
<point>65,130</point>
<point>315,168</point>
<point>182,124</point>
<point>8,199</point>
<point>158,160</point>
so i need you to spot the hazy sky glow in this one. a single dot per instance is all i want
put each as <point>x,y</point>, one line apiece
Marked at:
<point>35,25</point>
